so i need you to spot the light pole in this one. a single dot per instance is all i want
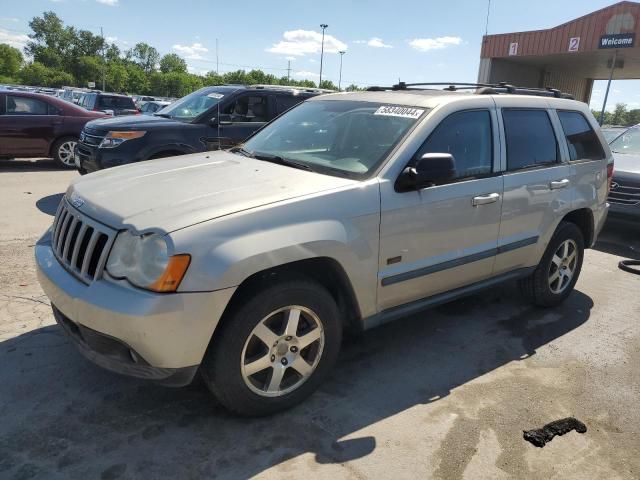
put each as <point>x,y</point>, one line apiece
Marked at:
<point>340,78</point>
<point>322,26</point>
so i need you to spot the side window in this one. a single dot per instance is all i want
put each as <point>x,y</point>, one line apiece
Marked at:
<point>285,102</point>
<point>248,108</point>
<point>467,136</point>
<point>530,138</point>
<point>582,141</point>
<point>25,106</point>
<point>53,110</point>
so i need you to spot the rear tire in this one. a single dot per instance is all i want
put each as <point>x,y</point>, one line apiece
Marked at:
<point>266,357</point>
<point>63,152</point>
<point>555,276</point>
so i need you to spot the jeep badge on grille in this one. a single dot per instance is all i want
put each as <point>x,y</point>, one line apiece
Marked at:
<point>76,200</point>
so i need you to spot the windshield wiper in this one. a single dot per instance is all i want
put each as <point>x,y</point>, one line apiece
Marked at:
<point>241,151</point>
<point>281,161</point>
<point>163,115</point>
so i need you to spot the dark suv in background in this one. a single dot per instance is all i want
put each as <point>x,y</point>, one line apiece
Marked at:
<point>110,103</point>
<point>208,119</point>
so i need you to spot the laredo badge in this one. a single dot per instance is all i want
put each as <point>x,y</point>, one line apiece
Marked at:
<point>76,200</point>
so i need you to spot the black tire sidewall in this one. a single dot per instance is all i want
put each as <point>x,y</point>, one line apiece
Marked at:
<point>221,366</point>
<point>543,293</point>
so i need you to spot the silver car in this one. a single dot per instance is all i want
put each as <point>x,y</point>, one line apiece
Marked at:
<point>625,187</point>
<point>348,211</point>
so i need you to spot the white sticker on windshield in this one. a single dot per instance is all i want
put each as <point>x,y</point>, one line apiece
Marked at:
<point>405,112</point>
<point>215,95</point>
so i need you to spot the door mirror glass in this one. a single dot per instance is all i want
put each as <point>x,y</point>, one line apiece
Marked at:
<point>431,169</point>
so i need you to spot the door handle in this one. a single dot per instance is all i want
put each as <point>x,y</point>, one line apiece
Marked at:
<point>484,199</point>
<point>559,184</point>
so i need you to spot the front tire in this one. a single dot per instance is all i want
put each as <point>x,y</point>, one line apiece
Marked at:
<point>555,276</point>
<point>64,152</point>
<point>274,349</point>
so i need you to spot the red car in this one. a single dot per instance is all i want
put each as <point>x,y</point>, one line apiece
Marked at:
<point>36,125</point>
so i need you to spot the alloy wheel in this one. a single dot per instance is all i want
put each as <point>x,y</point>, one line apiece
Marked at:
<point>563,266</point>
<point>282,351</point>
<point>66,153</point>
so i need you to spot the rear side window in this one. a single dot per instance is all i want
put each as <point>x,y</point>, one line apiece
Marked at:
<point>467,136</point>
<point>25,106</point>
<point>284,103</point>
<point>116,102</point>
<point>582,141</point>
<point>530,138</point>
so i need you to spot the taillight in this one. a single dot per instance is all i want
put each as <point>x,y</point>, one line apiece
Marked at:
<point>609,176</point>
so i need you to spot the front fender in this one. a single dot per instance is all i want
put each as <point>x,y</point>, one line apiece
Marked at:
<point>228,250</point>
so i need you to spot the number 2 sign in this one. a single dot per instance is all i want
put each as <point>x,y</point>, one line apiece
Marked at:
<point>574,44</point>
<point>513,48</point>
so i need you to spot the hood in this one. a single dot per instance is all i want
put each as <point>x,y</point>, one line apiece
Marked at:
<point>626,163</point>
<point>172,193</point>
<point>133,122</point>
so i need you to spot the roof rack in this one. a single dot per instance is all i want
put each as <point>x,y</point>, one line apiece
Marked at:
<point>293,87</point>
<point>480,88</point>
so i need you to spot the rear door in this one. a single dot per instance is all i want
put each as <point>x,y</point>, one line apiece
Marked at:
<point>29,126</point>
<point>537,182</point>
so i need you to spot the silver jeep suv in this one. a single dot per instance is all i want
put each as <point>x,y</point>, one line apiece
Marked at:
<point>348,211</point>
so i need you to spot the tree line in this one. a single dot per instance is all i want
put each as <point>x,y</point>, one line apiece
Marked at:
<point>620,115</point>
<point>57,55</point>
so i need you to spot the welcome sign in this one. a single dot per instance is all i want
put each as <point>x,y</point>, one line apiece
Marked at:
<point>618,40</point>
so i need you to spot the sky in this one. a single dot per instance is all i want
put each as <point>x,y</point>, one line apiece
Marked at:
<point>415,41</point>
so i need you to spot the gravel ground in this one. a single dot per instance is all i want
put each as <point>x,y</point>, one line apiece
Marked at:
<point>444,394</point>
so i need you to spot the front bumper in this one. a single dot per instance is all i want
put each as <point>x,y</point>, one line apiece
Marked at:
<point>621,210</point>
<point>147,335</point>
<point>90,158</point>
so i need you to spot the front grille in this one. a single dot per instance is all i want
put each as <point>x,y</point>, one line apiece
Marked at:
<point>91,137</point>
<point>624,194</point>
<point>80,244</point>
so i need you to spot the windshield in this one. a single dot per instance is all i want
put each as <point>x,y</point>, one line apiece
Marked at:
<point>193,105</point>
<point>339,137</point>
<point>116,102</point>
<point>628,142</point>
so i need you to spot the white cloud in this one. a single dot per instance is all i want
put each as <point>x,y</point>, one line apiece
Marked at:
<point>111,3</point>
<point>302,42</point>
<point>17,40</point>
<point>198,71</point>
<point>191,52</point>
<point>305,74</point>
<point>111,39</point>
<point>10,19</point>
<point>378,43</point>
<point>290,58</point>
<point>426,44</point>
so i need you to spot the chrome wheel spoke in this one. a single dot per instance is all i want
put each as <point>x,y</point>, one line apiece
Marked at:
<point>556,260</point>
<point>292,322</point>
<point>276,378</point>
<point>554,277</point>
<point>309,338</point>
<point>265,334</point>
<point>571,258</point>
<point>301,366</point>
<point>258,365</point>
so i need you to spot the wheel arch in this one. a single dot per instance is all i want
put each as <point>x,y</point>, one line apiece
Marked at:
<point>58,139</point>
<point>583,219</point>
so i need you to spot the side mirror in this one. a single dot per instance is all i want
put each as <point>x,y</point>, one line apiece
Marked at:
<point>431,169</point>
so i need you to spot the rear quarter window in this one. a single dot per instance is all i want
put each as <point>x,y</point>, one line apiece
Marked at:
<point>582,141</point>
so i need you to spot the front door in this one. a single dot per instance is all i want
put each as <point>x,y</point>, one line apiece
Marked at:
<point>247,114</point>
<point>27,128</point>
<point>444,236</point>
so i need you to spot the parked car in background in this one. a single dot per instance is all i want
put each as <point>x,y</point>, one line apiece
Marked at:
<point>37,125</point>
<point>612,132</point>
<point>111,103</point>
<point>152,106</point>
<point>349,211</point>
<point>208,119</point>
<point>624,196</point>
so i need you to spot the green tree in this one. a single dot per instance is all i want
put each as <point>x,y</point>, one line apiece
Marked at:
<point>212,78</point>
<point>157,84</point>
<point>619,116</point>
<point>145,56</point>
<point>35,74</point>
<point>117,77</point>
<point>10,60</point>
<point>50,41</point>
<point>353,88</point>
<point>633,117</point>
<point>172,63</point>
<point>328,84</point>
<point>59,78</point>
<point>89,69</point>
<point>137,79</point>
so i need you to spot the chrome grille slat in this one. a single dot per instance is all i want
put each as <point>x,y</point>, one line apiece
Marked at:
<point>79,243</point>
<point>622,194</point>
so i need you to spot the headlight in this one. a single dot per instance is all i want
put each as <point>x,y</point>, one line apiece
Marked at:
<point>113,139</point>
<point>144,261</point>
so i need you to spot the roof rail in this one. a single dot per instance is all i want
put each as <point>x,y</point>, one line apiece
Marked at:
<point>293,87</point>
<point>481,88</point>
